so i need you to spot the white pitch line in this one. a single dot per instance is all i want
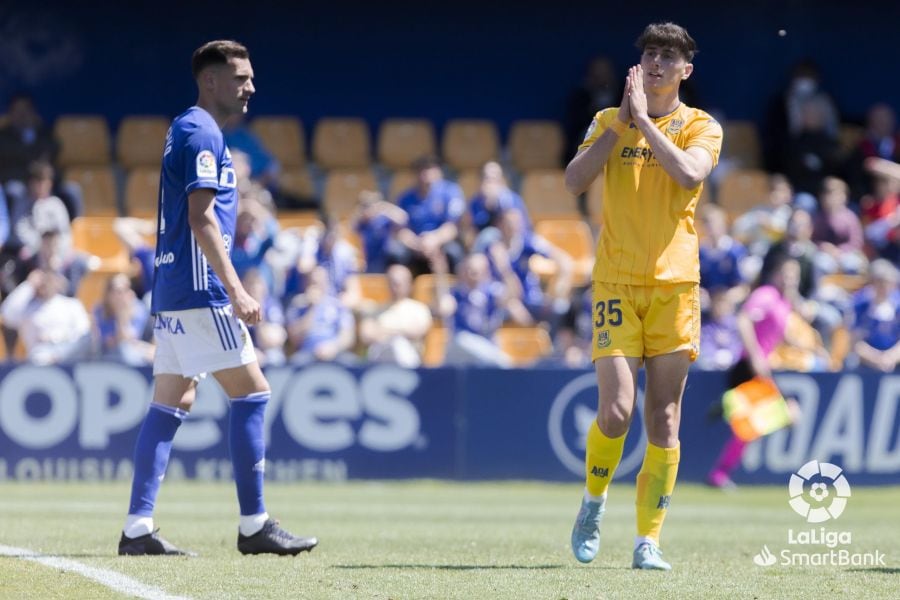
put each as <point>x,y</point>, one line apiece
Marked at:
<point>111,579</point>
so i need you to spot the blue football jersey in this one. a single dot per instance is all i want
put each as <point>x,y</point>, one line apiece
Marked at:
<point>195,157</point>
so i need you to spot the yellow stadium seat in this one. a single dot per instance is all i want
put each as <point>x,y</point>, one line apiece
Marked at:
<point>741,190</point>
<point>741,143</point>
<point>846,281</point>
<point>424,287</point>
<point>283,136</point>
<point>470,182</point>
<point>92,286</point>
<point>374,288</point>
<point>575,239</point>
<point>342,188</point>
<point>841,341</point>
<point>524,345</point>
<point>298,219</point>
<point>296,182</point>
<point>469,143</point>
<point>98,188</point>
<point>536,145</point>
<point>341,143</point>
<point>402,141</point>
<point>140,141</point>
<point>84,140</point>
<point>95,236</point>
<point>435,346</point>
<point>401,182</point>
<point>142,192</point>
<point>545,195</point>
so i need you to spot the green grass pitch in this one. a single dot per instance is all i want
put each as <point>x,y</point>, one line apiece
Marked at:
<point>429,539</point>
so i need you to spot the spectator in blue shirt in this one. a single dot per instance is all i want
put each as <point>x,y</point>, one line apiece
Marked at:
<point>254,235</point>
<point>122,324</point>
<point>493,198</point>
<point>325,248</point>
<point>320,327</point>
<point>475,308</point>
<point>877,323</point>
<point>377,223</point>
<point>720,256</point>
<point>434,207</point>
<point>510,261</point>
<point>269,334</point>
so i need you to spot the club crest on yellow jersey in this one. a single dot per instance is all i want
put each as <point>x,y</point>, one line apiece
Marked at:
<point>675,126</point>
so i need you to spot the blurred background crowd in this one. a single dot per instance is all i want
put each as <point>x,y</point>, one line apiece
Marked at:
<point>427,245</point>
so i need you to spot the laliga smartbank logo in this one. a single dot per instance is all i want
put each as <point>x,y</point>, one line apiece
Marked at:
<point>818,492</point>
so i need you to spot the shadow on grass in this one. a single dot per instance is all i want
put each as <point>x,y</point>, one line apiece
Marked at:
<point>61,555</point>
<point>884,570</point>
<point>459,567</point>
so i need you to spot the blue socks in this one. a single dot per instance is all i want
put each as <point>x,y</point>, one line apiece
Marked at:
<point>248,450</point>
<point>151,455</point>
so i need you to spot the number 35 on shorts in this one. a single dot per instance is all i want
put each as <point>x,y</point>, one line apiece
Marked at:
<point>607,312</point>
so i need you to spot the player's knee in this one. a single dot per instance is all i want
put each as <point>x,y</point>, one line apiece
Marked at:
<point>613,420</point>
<point>662,425</point>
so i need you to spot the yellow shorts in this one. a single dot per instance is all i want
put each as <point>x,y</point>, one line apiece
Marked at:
<point>645,321</point>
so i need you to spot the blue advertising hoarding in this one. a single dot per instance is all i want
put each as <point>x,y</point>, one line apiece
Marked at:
<point>332,423</point>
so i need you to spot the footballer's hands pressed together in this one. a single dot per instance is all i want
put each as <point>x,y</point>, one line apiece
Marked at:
<point>637,96</point>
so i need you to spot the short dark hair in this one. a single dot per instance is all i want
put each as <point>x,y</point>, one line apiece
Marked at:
<point>216,53</point>
<point>39,170</point>
<point>668,35</point>
<point>428,161</point>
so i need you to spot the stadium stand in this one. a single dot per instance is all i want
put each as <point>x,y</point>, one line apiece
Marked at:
<point>84,140</point>
<point>402,141</point>
<point>284,137</point>
<point>544,193</point>
<point>142,192</point>
<point>524,345</point>
<point>342,188</point>
<point>140,141</point>
<point>98,186</point>
<point>341,143</point>
<point>742,189</point>
<point>536,145</point>
<point>469,143</point>
<point>742,144</point>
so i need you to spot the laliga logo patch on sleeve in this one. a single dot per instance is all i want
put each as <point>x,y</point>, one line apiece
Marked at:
<point>206,165</point>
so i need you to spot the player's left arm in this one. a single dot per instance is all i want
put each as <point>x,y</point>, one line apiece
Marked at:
<point>689,167</point>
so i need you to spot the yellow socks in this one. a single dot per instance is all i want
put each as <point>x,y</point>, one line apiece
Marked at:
<point>655,484</point>
<point>602,456</point>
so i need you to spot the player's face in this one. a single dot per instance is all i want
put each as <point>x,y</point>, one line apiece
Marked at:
<point>664,69</point>
<point>234,86</point>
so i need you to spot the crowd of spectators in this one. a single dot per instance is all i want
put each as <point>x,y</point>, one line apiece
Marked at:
<point>836,219</point>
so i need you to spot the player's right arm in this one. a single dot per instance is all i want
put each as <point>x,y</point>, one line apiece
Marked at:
<point>590,160</point>
<point>205,227</point>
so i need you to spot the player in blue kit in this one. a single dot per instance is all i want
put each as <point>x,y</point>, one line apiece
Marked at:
<point>202,312</point>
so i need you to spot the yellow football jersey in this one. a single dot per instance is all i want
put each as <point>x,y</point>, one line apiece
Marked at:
<point>647,235</point>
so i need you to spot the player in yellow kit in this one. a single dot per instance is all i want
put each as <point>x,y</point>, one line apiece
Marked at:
<point>656,152</point>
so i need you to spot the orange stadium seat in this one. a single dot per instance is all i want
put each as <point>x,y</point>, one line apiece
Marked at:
<point>524,345</point>
<point>341,143</point>
<point>424,288</point>
<point>296,182</point>
<point>298,219</point>
<point>470,182</point>
<point>536,145</point>
<point>374,288</point>
<point>142,192</point>
<point>95,236</point>
<point>402,141</point>
<point>401,181</point>
<point>92,285</point>
<point>741,190</point>
<point>742,144</point>
<point>342,188</point>
<point>283,136</point>
<point>84,140</point>
<point>575,239</point>
<point>469,143</point>
<point>435,346</point>
<point>545,195</point>
<point>98,188</point>
<point>140,141</point>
